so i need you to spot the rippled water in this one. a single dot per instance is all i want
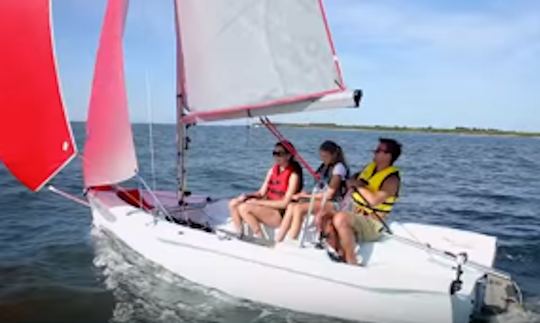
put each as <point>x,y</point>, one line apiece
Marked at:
<point>55,268</point>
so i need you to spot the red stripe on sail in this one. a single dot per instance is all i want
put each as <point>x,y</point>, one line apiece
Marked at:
<point>331,42</point>
<point>35,136</point>
<point>109,153</point>
<point>193,116</point>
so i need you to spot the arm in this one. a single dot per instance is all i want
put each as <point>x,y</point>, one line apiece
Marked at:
<point>259,193</point>
<point>354,183</point>
<point>281,204</point>
<point>339,173</point>
<point>300,195</point>
<point>333,187</point>
<point>264,187</point>
<point>389,188</point>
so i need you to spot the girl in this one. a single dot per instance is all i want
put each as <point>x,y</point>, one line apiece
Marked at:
<point>267,205</point>
<point>334,172</point>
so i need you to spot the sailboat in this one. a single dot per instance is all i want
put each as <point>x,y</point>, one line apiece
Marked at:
<point>236,59</point>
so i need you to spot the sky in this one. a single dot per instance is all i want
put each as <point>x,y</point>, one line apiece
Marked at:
<point>420,63</point>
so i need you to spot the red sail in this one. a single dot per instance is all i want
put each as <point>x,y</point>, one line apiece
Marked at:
<point>109,153</point>
<point>35,136</point>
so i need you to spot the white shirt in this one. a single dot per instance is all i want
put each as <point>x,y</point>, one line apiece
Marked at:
<point>340,170</point>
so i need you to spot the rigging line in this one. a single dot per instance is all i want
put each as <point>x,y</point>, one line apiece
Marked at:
<point>415,242</point>
<point>159,205</point>
<point>149,108</point>
<point>347,204</point>
<point>248,142</point>
<point>248,131</point>
<point>81,201</point>
<point>273,129</point>
<point>150,129</point>
<point>291,150</point>
<point>119,189</point>
<point>68,196</point>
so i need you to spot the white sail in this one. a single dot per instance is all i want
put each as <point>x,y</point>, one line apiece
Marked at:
<point>238,57</point>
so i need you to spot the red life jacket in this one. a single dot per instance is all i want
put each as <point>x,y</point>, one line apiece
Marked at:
<point>278,183</point>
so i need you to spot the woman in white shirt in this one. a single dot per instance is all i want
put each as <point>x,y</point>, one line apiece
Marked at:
<point>334,172</point>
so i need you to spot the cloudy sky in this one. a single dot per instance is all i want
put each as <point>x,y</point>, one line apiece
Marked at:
<point>420,63</point>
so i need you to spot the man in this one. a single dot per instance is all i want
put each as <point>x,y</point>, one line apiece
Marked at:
<point>373,193</point>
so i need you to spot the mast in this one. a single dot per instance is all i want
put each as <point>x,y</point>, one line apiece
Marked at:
<point>181,148</point>
<point>181,128</point>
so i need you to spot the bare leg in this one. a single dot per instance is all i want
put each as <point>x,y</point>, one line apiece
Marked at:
<point>330,232</point>
<point>244,210</point>
<point>286,222</point>
<point>253,214</point>
<point>343,226</point>
<point>332,238</point>
<point>235,216</point>
<point>299,213</point>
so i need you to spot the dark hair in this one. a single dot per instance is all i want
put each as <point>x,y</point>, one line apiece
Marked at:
<point>297,168</point>
<point>393,147</point>
<point>334,149</point>
<point>326,170</point>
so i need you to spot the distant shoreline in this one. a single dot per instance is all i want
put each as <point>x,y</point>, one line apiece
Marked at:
<point>333,126</point>
<point>456,130</point>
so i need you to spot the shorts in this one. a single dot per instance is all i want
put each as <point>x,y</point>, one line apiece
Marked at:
<point>366,228</point>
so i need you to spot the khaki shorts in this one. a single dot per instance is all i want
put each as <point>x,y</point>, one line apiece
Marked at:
<point>366,228</point>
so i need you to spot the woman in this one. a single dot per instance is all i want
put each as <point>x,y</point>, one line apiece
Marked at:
<point>334,172</point>
<point>268,204</point>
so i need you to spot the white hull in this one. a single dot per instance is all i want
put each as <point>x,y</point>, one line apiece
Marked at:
<point>400,283</point>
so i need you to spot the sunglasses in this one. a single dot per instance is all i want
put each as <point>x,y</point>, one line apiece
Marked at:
<point>279,153</point>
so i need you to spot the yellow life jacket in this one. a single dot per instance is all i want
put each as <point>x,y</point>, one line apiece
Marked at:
<point>374,182</point>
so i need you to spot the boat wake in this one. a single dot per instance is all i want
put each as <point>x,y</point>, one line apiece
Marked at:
<point>146,292</point>
<point>531,314</point>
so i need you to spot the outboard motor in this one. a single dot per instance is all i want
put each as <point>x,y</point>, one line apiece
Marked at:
<point>496,295</point>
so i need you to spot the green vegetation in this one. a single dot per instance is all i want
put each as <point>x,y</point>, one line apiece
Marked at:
<point>456,130</point>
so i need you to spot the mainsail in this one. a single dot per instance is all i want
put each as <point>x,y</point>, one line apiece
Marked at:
<point>109,154</point>
<point>36,140</point>
<point>246,58</point>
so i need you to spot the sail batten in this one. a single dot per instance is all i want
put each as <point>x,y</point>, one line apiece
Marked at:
<point>36,138</point>
<point>109,152</point>
<point>251,55</point>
